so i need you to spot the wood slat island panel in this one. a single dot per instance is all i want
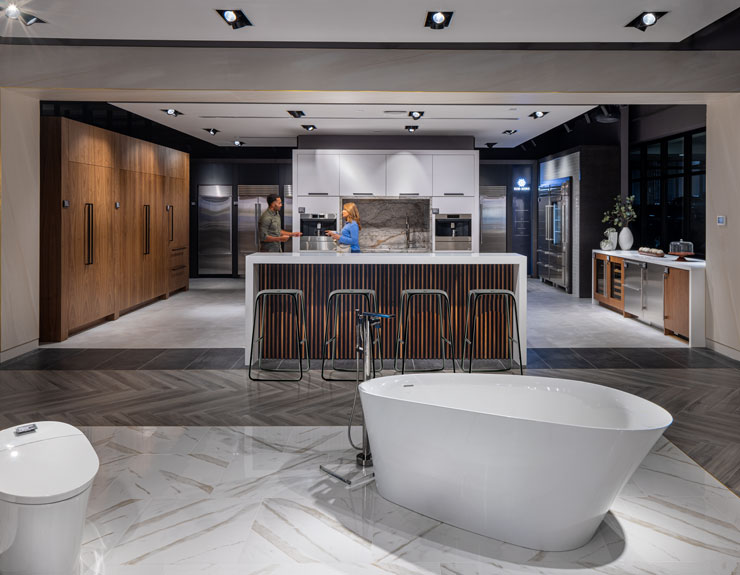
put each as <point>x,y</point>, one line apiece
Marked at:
<point>388,275</point>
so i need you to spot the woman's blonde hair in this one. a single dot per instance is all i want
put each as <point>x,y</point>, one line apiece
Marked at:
<point>353,213</point>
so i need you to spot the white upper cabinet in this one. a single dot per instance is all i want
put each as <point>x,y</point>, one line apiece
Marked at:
<point>454,175</point>
<point>361,175</point>
<point>317,174</point>
<point>409,174</point>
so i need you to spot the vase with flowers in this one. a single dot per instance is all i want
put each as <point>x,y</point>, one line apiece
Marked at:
<point>620,216</point>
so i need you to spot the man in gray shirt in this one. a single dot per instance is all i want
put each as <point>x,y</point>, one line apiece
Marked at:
<point>272,236</point>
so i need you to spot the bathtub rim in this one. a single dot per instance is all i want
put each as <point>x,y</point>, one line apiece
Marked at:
<point>661,412</point>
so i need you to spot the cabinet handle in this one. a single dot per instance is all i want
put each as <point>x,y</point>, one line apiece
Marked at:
<point>362,194</point>
<point>146,229</point>
<point>172,223</point>
<point>408,193</point>
<point>89,234</point>
<point>318,193</point>
<point>453,194</point>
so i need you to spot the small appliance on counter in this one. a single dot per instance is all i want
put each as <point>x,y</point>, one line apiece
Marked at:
<point>681,249</point>
<point>453,232</point>
<point>314,228</point>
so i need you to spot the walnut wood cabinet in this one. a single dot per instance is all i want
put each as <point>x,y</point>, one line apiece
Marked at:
<point>608,281</point>
<point>107,227</point>
<point>676,302</point>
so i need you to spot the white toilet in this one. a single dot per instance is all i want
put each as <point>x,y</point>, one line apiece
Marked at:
<point>46,470</point>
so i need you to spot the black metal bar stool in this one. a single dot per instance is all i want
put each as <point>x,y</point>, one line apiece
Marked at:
<point>402,333</point>
<point>331,331</point>
<point>471,317</point>
<point>301,340</point>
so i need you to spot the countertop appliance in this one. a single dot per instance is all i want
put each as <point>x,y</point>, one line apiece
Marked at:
<point>492,219</point>
<point>553,233</point>
<point>453,232</point>
<point>314,228</point>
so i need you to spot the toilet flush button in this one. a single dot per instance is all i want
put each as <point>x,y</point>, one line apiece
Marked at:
<point>24,429</point>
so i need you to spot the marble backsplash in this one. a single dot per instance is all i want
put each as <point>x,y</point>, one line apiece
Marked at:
<point>384,223</point>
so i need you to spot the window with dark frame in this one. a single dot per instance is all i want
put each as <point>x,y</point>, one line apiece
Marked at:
<point>668,180</point>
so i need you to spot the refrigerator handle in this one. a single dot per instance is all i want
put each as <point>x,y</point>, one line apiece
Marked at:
<point>548,222</point>
<point>257,214</point>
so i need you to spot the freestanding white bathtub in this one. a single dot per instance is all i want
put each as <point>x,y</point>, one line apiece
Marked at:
<point>532,461</point>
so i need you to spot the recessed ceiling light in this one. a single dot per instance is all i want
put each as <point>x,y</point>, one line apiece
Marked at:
<point>416,114</point>
<point>538,114</point>
<point>14,13</point>
<point>645,20</point>
<point>509,132</point>
<point>172,112</point>
<point>309,127</point>
<point>491,144</point>
<point>438,20</point>
<point>212,131</point>
<point>234,18</point>
<point>237,143</point>
<point>411,129</point>
<point>296,113</point>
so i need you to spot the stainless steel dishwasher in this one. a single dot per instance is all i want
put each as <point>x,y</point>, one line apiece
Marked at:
<point>653,290</point>
<point>634,283</point>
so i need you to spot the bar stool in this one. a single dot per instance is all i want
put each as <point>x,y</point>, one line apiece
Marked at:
<point>333,328</point>
<point>402,335</point>
<point>471,316</point>
<point>301,340</point>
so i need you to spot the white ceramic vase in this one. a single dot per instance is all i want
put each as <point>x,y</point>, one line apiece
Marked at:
<point>625,238</point>
<point>613,239</point>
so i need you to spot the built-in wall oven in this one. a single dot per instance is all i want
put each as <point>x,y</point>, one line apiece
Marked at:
<point>453,232</point>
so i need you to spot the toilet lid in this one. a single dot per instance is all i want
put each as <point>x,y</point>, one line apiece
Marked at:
<point>48,465</point>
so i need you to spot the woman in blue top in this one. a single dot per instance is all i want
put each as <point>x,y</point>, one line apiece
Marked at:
<point>350,235</point>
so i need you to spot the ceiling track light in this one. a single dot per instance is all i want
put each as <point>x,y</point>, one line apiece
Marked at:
<point>308,127</point>
<point>509,132</point>
<point>411,129</point>
<point>538,114</point>
<point>234,18</point>
<point>605,116</point>
<point>523,147</point>
<point>568,129</point>
<point>438,20</point>
<point>587,118</point>
<point>534,144</point>
<point>645,20</point>
<point>172,112</point>
<point>416,114</point>
<point>212,131</point>
<point>14,13</point>
<point>297,113</point>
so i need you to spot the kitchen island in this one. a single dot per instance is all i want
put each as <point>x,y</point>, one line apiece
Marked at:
<point>388,274</point>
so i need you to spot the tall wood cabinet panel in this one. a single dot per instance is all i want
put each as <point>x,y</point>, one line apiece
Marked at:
<point>107,232</point>
<point>676,302</point>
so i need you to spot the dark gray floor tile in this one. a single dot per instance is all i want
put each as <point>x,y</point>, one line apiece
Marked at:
<point>130,359</point>
<point>86,359</point>
<point>218,358</point>
<point>174,359</point>
<point>688,357</point>
<point>647,358</point>
<point>604,358</point>
<point>562,358</point>
<point>40,358</point>
<point>534,360</point>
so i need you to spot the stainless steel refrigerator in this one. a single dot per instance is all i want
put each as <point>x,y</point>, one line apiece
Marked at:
<point>214,230</point>
<point>492,219</point>
<point>252,202</point>
<point>553,233</point>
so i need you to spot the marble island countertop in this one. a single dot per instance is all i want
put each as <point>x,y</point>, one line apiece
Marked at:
<point>667,260</point>
<point>388,257</point>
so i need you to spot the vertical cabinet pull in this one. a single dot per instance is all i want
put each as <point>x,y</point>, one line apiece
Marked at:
<point>172,223</point>
<point>89,234</point>
<point>146,229</point>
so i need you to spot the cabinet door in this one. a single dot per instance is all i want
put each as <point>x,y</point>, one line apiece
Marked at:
<point>616,278</point>
<point>87,236</point>
<point>676,302</point>
<point>317,175</point>
<point>131,239</point>
<point>361,175</point>
<point>454,175</point>
<point>600,277</point>
<point>177,213</point>
<point>409,174</point>
<point>154,261</point>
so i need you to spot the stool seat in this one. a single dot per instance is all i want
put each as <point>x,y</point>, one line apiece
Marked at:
<point>331,331</point>
<point>402,333</point>
<point>302,349</point>
<point>471,317</point>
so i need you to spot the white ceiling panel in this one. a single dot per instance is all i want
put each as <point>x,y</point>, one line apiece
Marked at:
<point>257,124</point>
<point>357,21</point>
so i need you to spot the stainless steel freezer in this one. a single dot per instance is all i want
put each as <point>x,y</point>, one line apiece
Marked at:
<point>252,202</point>
<point>553,233</point>
<point>492,219</point>
<point>214,230</point>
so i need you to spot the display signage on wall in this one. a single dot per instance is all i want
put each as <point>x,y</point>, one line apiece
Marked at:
<point>521,185</point>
